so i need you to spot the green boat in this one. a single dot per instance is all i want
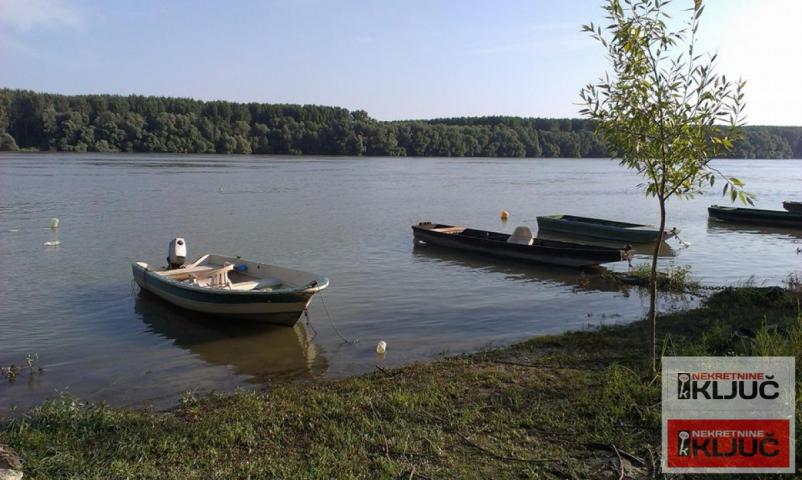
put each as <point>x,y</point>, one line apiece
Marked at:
<point>756,216</point>
<point>600,228</point>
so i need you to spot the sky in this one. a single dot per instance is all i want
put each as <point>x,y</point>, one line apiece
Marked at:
<point>396,59</point>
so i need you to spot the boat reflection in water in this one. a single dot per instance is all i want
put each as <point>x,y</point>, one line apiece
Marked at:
<point>640,248</point>
<point>590,280</point>
<point>716,226</point>
<point>262,351</point>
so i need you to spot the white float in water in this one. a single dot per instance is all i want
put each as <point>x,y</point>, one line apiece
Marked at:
<point>52,244</point>
<point>381,347</point>
<point>54,223</point>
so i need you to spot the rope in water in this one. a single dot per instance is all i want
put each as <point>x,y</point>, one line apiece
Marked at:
<point>334,325</point>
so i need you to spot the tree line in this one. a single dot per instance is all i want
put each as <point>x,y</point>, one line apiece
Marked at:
<point>32,121</point>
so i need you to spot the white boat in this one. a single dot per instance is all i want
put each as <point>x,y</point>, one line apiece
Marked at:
<point>231,286</point>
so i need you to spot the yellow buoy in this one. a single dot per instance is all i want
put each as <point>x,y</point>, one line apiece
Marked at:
<point>505,215</point>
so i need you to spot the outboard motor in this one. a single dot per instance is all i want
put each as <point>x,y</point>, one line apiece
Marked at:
<point>177,253</point>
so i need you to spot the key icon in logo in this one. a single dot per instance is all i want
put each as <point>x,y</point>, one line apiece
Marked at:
<point>683,386</point>
<point>683,448</point>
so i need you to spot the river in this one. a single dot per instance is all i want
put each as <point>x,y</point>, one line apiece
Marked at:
<point>73,307</point>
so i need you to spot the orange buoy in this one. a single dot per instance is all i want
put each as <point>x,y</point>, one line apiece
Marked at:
<point>505,215</point>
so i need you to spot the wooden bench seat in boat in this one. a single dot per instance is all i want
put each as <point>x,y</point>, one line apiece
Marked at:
<point>217,277</point>
<point>185,271</point>
<point>259,284</point>
<point>204,276</point>
<point>449,230</point>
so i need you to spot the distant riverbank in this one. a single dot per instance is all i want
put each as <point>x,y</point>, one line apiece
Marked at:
<point>112,123</point>
<point>269,156</point>
<point>576,405</point>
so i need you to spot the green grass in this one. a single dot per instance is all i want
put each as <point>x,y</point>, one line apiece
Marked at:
<point>676,279</point>
<point>551,407</point>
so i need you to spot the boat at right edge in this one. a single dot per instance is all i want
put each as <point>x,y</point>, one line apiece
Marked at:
<point>756,216</point>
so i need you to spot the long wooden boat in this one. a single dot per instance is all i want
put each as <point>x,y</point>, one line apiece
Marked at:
<point>756,216</point>
<point>601,228</point>
<point>795,207</point>
<point>518,246</point>
<point>233,287</point>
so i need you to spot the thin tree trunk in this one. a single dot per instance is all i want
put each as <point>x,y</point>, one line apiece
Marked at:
<point>653,284</point>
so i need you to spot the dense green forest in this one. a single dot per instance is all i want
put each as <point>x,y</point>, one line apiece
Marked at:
<point>109,123</point>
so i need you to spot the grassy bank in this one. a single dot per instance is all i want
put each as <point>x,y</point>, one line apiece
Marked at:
<point>577,405</point>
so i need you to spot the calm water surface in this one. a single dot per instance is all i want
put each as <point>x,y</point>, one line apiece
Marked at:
<point>348,218</point>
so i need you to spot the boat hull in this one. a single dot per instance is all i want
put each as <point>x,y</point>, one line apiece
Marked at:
<point>601,229</point>
<point>755,216</point>
<point>279,307</point>
<point>542,252</point>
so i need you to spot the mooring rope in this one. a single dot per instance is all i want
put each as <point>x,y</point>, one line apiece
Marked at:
<point>681,241</point>
<point>334,325</point>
